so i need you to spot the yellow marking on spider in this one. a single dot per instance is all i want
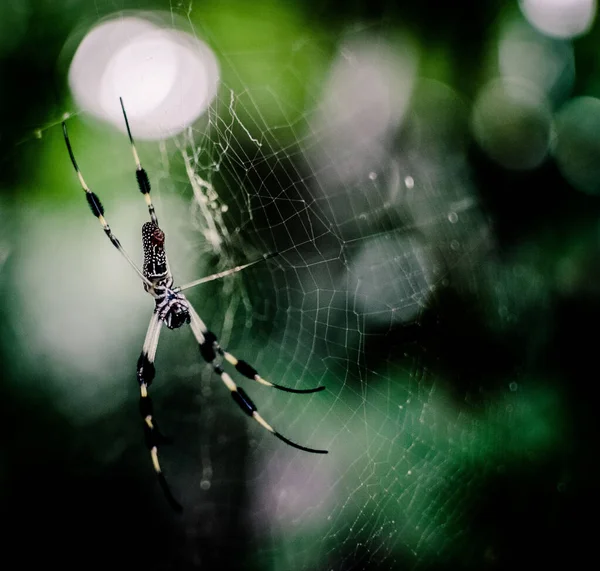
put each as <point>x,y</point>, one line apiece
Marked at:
<point>234,361</point>
<point>262,381</point>
<point>136,158</point>
<point>83,185</point>
<point>154,454</point>
<point>148,420</point>
<point>148,199</point>
<point>262,421</point>
<point>228,381</point>
<point>144,390</point>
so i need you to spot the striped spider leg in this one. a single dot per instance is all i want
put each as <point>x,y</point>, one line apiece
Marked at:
<point>174,310</point>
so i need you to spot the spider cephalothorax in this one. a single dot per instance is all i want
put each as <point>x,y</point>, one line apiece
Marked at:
<point>172,306</point>
<point>174,310</point>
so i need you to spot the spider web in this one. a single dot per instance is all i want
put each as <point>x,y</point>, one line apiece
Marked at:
<point>362,252</point>
<point>378,239</point>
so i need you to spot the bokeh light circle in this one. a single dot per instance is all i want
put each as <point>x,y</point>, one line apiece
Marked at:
<point>577,148</point>
<point>166,77</point>
<point>527,54</point>
<point>560,18</point>
<point>512,122</point>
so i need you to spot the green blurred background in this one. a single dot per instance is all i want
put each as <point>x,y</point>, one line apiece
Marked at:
<point>442,285</point>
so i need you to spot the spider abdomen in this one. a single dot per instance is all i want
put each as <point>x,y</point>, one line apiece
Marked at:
<point>155,258</point>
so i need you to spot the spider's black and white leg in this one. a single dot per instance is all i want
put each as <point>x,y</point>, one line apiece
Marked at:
<point>225,273</point>
<point>209,349</point>
<point>98,209</point>
<point>145,376</point>
<point>140,173</point>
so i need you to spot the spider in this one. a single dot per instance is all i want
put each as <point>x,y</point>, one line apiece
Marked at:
<point>174,310</point>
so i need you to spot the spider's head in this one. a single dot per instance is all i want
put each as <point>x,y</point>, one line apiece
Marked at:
<point>152,235</point>
<point>178,314</point>
<point>157,238</point>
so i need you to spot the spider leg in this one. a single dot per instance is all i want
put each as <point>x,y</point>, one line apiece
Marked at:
<point>140,173</point>
<point>243,367</point>
<point>220,275</point>
<point>209,350</point>
<point>98,209</point>
<point>145,376</point>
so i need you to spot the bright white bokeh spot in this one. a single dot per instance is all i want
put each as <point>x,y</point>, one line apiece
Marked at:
<point>512,122</point>
<point>560,18</point>
<point>151,77</point>
<point>167,78</point>
<point>577,148</point>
